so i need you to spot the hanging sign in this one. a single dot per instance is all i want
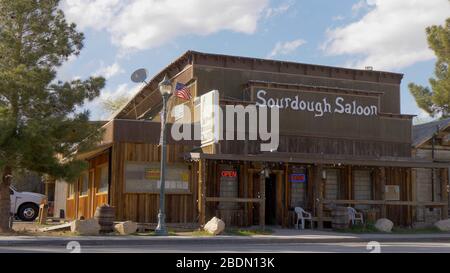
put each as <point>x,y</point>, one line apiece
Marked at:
<point>209,118</point>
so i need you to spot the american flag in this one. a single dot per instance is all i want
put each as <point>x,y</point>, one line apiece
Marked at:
<point>182,91</point>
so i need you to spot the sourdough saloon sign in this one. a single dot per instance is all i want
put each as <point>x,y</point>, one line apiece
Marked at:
<point>317,105</point>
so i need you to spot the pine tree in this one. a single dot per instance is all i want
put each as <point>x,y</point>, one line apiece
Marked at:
<point>40,126</point>
<point>436,101</point>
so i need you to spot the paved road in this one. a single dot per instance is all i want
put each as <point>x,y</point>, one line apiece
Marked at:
<point>433,247</point>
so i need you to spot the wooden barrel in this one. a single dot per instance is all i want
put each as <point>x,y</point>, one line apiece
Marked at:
<point>105,216</point>
<point>340,218</point>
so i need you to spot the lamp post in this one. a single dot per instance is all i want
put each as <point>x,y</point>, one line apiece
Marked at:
<point>165,87</point>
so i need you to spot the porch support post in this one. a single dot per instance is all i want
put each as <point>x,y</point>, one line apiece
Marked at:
<point>444,191</point>
<point>413,193</point>
<point>383,184</point>
<point>319,194</point>
<point>244,175</point>
<point>262,203</point>
<point>202,192</point>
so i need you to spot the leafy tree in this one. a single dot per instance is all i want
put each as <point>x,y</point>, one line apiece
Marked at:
<point>112,105</point>
<point>436,101</point>
<point>40,127</point>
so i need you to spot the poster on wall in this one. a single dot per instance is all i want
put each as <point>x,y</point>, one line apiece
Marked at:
<point>144,177</point>
<point>298,178</point>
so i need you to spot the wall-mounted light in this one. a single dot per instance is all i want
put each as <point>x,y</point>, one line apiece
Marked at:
<point>266,172</point>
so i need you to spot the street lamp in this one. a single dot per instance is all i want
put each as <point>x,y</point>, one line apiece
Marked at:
<point>165,87</point>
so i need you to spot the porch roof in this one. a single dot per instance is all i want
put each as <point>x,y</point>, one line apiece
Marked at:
<point>323,159</point>
<point>93,152</point>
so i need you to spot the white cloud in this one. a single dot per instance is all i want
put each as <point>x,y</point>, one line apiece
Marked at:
<point>285,48</point>
<point>338,18</point>
<point>390,36</point>
<point>284,7</point>
<point>358,6</point>
<point>143,24</point>
<point>109,71</point>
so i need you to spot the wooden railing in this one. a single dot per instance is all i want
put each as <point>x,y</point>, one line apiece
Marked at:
<point>232,199</point>
<point>385,202</point>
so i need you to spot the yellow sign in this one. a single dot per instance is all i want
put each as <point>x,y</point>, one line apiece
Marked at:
<point>185,177</point>
<point>152,174</point>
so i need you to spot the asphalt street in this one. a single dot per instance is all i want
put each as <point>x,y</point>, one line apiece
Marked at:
<point>391,247</point>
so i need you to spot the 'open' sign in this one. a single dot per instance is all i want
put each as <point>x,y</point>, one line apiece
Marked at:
<point>228,174</point>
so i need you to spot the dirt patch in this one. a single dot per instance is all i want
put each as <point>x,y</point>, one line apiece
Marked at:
<point>32,229</point>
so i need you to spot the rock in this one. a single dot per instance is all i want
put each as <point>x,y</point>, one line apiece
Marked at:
<point>215,226</point>
<point>126,228</point>
<point>85,227</point>
<point>384,225</point>
<point>443,225</point>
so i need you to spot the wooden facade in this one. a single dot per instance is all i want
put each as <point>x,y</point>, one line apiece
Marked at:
<point>322,161</point>
<point>83,199</point>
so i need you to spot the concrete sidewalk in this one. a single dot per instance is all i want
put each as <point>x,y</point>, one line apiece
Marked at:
<point>279,236</point>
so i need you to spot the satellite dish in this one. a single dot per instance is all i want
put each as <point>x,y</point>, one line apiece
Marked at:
<point>139,75</point>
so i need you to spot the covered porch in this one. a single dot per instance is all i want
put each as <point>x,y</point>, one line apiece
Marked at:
<point>264,189</point>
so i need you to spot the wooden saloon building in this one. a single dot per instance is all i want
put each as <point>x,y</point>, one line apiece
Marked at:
<point>342,142</point>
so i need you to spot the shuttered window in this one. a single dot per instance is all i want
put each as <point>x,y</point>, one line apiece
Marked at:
<point>362,187</point>
<point>332,184</point>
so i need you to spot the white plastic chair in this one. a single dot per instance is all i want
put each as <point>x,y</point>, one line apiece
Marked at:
<point>303,216</point>
<point>355,216</point>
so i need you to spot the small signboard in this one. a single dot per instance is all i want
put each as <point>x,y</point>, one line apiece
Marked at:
<point>209,118</point>
<point>228,173</point>
<point>392,192</point>
<point>298,178</point>
<point>144,177</point>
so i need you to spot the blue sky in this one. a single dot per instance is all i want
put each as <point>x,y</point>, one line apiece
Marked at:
<point>122,36</point>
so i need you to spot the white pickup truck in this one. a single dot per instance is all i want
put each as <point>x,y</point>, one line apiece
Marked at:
<point>25,205</point>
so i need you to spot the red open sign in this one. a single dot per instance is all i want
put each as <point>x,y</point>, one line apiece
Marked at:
<point>229,173</point>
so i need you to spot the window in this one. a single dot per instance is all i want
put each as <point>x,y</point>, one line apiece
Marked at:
<point>71,190</point>
<point>362,187</point>
<point>103,184</point>
<point>332,184</point>
<point>298,182</point>
<point>84,184</point>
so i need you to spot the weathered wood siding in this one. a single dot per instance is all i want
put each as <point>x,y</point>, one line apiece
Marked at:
<point>320,145</point>
<point>78,205</point>
<point>429,186</point>
<point>143,207</point>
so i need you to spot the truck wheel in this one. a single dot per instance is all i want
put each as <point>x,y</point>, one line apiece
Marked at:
<point>28,212</point>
